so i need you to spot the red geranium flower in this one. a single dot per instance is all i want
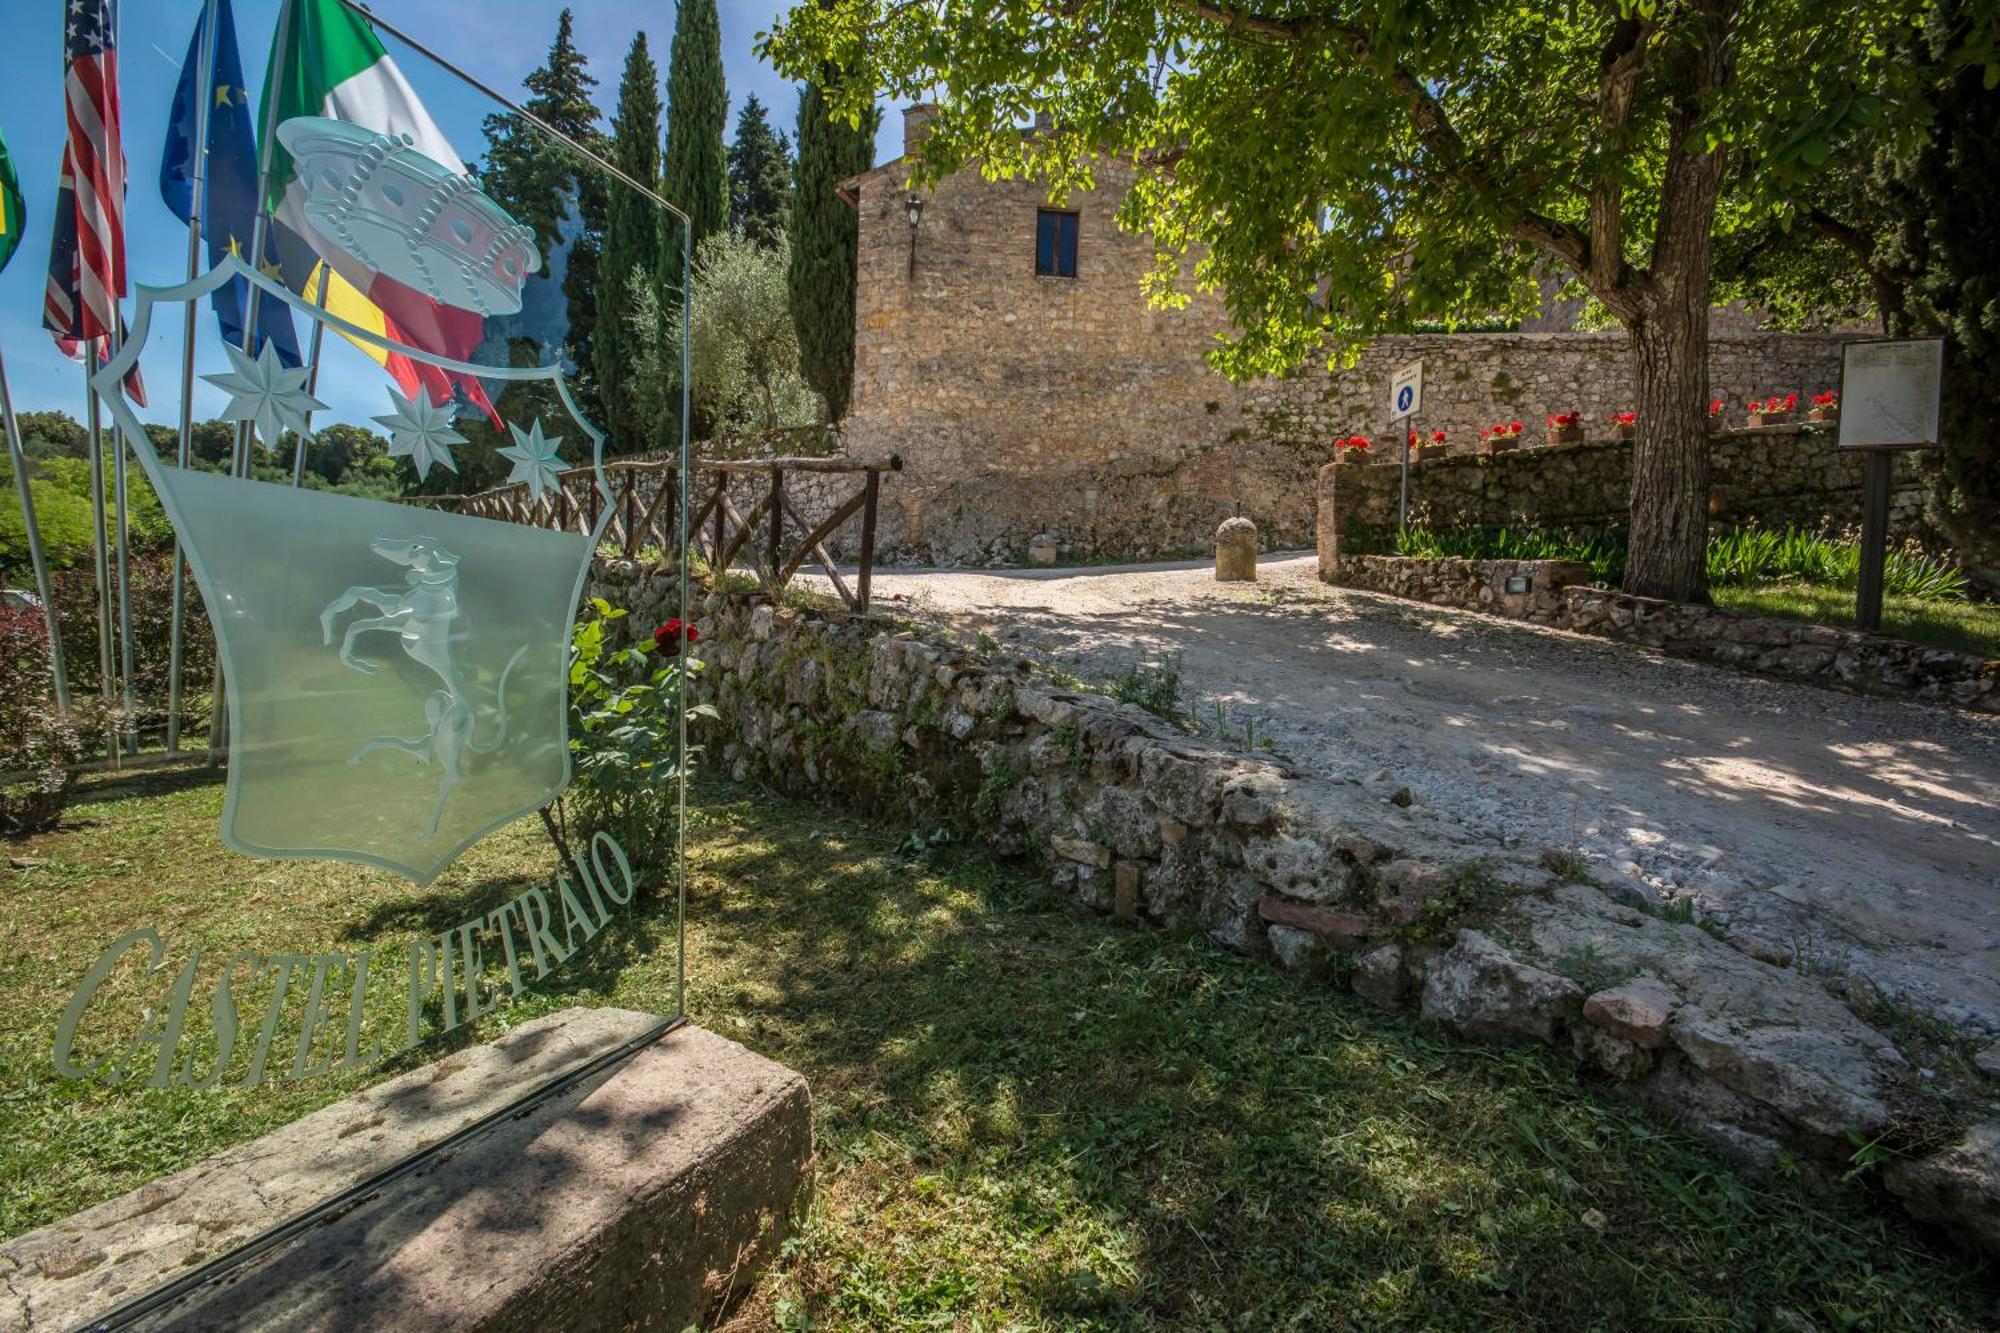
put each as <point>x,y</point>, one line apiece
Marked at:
<point>1715,408</point>
<point>1562,419</point>
<point>1827,399</point>
<point>1624,418</point>
<point>1437,437</point>
<point>669,637</point>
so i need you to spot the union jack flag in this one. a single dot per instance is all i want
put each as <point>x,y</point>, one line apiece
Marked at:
<point>87,253</point>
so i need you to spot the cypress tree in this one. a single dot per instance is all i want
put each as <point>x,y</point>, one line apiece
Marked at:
<point>760,176</point>
<point>549,189</point>
<point>633,239</point>
<point>697,175</point>
<point>825,235</point>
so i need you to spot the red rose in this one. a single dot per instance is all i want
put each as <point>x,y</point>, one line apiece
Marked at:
<point>669,637</point>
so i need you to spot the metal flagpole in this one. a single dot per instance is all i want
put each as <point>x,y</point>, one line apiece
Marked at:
<point>218,722</point>
<point>1403,504</point>
<point>680,677</point>
<point>43,588</point>
<point>204,98</point>
<point>312,370</point>
<point>261,229</point>
<point>100,558</point>
<point>122,529</point>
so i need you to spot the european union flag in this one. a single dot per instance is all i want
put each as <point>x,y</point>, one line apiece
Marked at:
<point>229,213</point>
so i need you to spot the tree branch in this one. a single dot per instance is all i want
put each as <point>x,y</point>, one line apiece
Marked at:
<point>1887,291</point>
<point>1623,58</point>
<point>1427,116</point>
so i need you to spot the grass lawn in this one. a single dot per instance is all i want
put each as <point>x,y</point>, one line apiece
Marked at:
<point>1028,1117</point>
<point>1972,627</point>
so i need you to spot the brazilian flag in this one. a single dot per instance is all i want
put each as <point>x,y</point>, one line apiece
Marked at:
<point>13,218</point>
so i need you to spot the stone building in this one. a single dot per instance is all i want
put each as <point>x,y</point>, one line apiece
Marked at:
<point>1004,349</point>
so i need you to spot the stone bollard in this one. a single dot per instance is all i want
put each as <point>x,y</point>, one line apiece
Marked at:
<point>1041,549</point>
<point>1236,551</point>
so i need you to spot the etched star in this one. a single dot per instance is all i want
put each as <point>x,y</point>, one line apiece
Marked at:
<point>262,391</point>
<point>535,460</point>
<point>421,431</point>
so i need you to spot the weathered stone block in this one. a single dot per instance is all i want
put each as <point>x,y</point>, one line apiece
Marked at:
<point>1297,950</point>
<point>634,1200</point>
<point>1082,851</point>
<point>1637,1012</point>
<point>1236,551</point>
<point>1125,891</point>
<point>1959,1187</point>
<point>1378,976</point>
<point>1480,990</point>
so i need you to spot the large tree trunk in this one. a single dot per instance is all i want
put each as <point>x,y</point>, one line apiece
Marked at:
<point>1668,554</point>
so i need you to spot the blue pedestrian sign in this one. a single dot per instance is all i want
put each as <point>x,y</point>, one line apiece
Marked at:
<point>1406,392</point>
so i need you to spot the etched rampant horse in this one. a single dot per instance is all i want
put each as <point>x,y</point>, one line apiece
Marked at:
<point>421,615</point>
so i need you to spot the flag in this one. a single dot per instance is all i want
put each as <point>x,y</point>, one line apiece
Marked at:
<point>13,215</point>
<point>333,65</point>
<point>229,183</point>
<point>87,253</point>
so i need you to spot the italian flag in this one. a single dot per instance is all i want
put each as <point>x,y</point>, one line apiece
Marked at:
<point>331,64</point>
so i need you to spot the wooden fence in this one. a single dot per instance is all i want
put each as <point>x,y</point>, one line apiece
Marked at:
<point>771,533</point>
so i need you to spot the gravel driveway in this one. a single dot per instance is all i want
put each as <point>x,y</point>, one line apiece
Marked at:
<point>1850,835</point>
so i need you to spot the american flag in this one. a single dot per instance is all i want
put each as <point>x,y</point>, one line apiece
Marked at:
<point>87,254</point>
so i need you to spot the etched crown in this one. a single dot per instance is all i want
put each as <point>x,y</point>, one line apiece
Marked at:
<point>397,212</point>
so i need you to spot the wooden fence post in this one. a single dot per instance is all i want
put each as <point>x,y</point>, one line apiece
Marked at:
<point>866,576</point>
<point>721,519</point>
<point>773,551</point>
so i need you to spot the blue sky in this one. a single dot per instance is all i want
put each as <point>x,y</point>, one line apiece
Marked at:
<point>499,41</point>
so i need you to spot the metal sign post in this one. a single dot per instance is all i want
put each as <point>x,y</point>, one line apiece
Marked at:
<point>1889,401</point>
<point>1406,399</point>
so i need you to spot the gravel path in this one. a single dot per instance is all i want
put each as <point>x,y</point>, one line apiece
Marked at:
<point>1852,835</point>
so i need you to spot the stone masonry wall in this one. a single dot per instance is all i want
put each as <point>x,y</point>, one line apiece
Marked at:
<point>1349,884</point>
<point>1558,593</point>
<point>1776,476</point>
<point>1025,404</point>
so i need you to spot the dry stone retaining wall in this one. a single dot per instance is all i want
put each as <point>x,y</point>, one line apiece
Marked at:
<point>1352,883</point>
<point>1776,476</point>
<point>1559,593</point>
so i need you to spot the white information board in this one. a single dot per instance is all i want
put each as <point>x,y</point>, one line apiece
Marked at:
<point>1406,392</point>
<point>1889,393</point>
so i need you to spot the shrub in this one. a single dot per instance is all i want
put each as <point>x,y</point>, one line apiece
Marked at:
<point>39,747</point>
<point>1737,558</point>
<point>624,739</point>
<point>152,619</point>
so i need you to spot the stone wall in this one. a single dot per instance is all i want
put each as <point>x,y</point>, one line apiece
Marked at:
<point>1558,593</point>
<point>1025,404</point>
<point>1776,476</point>
<point>1351,884</point>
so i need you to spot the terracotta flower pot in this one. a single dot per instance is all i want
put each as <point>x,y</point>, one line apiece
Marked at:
<point>1756,419</point>
<point>1629,430</point>
<point>1823,414</point>
<point>1498,444</point>
<point>1565,434</point>
<point>1423,453</point>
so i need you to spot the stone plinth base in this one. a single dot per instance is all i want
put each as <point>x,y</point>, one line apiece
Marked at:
<point>638,1199</point>
<point>1236,551</point>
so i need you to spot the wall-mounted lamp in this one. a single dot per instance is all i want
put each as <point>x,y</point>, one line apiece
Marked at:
<point>913,208</point>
